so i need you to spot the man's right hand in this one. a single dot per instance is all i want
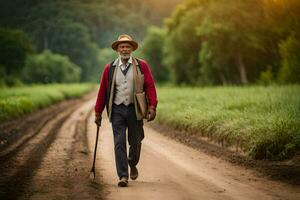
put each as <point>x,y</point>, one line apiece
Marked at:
<point>151,114</point>
<point>98,119</point>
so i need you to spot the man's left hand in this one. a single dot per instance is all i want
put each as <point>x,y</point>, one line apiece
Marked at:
<point>151,114</point>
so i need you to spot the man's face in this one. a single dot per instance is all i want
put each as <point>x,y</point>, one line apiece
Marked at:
<point>124,50</point>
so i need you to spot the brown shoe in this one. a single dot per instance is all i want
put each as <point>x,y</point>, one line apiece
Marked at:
<point>123,182</point>
<point>134,173</point>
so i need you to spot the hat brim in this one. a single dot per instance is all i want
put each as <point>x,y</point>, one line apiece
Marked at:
<point>115,44</point>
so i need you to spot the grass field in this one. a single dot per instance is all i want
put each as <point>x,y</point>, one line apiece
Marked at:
<point>17,101</point>
<point>262,121</point>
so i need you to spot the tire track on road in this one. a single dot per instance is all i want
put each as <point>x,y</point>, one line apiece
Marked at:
<point>63,173</point>
<point>28,140</point>
<point>79,155</point>
<point>12,133</point>
<point>13,186</point>
<point>12,148</point>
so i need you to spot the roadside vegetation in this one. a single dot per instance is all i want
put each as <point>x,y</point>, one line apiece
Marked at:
<point>16,101</point>
<point>264,122</point>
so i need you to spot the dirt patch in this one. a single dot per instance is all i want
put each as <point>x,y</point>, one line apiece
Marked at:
<point>286,171</point>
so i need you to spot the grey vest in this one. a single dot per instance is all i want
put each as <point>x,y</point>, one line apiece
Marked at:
<point>124,87</point>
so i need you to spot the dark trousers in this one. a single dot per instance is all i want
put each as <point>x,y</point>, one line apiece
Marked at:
<point>123,118</point>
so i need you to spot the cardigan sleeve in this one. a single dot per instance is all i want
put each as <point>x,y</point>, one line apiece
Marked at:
<point>102,91</point>
<point>149,86</point>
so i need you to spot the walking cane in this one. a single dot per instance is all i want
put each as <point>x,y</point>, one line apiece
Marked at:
<point>93,172</point>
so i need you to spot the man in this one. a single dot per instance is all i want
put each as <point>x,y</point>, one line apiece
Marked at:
<point>117,93</point>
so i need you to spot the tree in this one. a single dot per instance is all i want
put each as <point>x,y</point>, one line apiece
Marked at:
<point>231,31</point>
<point>14,47</point>
<point>72,39</point>
<point>290,69</point>
<point>283,31</point>
<point>52,27</point>
<point>152,51</point>
<point>182,43</point>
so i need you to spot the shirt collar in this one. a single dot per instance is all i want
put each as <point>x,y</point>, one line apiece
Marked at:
<point>129,61</point>
<point>116,61</point>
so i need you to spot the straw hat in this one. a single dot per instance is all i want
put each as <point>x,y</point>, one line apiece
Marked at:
<point>124,38</point>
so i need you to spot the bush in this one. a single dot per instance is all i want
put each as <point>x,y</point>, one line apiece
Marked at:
<point>266,77</point>
<point>48,67</point>
<point>12,81</point>
<point>290,69</point>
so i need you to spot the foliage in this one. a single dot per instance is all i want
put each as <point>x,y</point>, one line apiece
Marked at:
<point>17,101</point>
<point>152,51</point>
<point>262,121</point>
<point>230,36</point>
<point>77,28</point>
<point>229,42</point>
<point>105,55</point>
<point>48,67</point>
<point>182,44</point>
<point>52,26</point>
<point>209,42</point>
<point>107,19</point>
<point>14,46</point>
<point>73,40</point>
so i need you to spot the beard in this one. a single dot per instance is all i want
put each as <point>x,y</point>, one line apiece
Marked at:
<point>125,57</point>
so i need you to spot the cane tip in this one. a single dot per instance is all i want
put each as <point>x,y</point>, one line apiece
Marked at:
<point>92,176</point>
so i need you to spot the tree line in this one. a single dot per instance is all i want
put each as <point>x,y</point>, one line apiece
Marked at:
<point>217,42</point>
<point>203,42</point>
<point>74,33</point>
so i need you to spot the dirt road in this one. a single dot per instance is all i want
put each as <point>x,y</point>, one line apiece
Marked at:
<point>48,156</point>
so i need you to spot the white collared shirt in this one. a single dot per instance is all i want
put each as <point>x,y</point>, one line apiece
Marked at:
<point>123,67</point>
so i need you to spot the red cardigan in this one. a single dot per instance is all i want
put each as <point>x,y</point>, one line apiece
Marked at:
<point>148,85</point>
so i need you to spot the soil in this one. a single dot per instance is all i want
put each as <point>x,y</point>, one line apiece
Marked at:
<point>48,155</point>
